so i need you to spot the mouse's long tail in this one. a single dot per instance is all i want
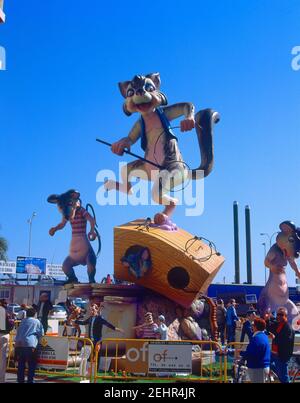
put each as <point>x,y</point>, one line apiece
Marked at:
<point>205,121</point>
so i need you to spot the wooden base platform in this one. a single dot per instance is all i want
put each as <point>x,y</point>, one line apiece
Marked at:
<point>103,290</point>
<point>181,267</point>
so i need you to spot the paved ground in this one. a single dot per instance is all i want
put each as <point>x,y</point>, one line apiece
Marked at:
<point>12,378</point>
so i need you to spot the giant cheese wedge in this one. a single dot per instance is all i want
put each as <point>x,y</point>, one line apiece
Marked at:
<point>174,264</point>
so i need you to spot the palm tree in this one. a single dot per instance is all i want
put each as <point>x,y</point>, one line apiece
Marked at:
<point>3,248</point>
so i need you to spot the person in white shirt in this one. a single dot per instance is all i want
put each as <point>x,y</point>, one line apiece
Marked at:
<point>162,328</point>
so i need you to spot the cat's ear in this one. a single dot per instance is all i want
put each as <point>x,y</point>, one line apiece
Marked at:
<point>123,87</point>
<point>155,77</point>
<point>53,199</point>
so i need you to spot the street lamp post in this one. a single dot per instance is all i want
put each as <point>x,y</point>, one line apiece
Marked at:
<point>269,237</point>
<point>30,220</point>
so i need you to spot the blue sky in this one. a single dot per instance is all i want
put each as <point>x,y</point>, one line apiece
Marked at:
<point>59,92</point>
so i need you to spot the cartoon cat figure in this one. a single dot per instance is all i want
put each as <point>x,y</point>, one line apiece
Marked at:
<point>142,95</point>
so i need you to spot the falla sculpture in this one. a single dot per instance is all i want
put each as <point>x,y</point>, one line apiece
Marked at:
<point>81,251</point>
<point>163,163</point>
<point>285,251</point>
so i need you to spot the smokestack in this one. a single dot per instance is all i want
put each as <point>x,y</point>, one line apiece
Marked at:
<point>237,279</point>
<point>248,244</point>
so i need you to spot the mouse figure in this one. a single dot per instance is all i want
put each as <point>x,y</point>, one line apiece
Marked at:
<point>142,95</point>
<point>138,261</point>
<point>165,223</point>
<point>81,251</point>
<point>276,292</point>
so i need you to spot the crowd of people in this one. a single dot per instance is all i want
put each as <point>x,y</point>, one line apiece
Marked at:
<point>34,325</point>
<point>270,340</point>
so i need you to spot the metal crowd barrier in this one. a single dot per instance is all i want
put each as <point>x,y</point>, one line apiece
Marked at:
<point>108,360</point>
<point>78,363</point>
<point>111,361</point>
<point>237,347</point>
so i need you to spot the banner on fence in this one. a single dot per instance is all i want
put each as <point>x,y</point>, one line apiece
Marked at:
<point>53,353</point>
<point>156,357</point>
<point>170,357</point>
<point>136,357</point>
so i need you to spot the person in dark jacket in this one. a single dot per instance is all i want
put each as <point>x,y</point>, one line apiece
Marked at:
<point>43,308</point>
<point>95,323</point>
<point>247,329</point>
<point>283,337</point>
<point>221,319</point>
<point>258,353</point>
<point>231,320</point>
